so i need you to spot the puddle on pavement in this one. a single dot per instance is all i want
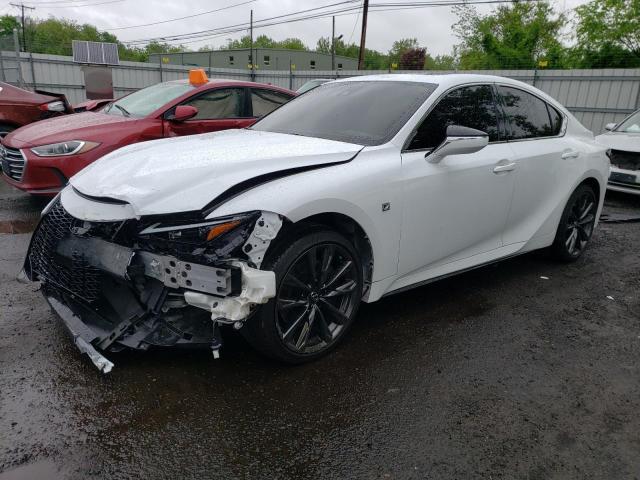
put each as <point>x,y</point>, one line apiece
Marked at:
<point>41,469</point>
<point>19,226</point>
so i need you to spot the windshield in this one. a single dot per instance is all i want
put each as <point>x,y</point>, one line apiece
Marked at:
<point>147,100</point>
<point>631,124</point>
<point>362,112</point>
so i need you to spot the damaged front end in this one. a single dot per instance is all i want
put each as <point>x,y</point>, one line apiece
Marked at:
<point>162,281</point>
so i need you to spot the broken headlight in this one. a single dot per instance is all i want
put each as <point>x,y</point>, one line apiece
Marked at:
<point>215,238</point>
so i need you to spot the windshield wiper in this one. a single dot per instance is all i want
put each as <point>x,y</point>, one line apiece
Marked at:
<point>122,109</point>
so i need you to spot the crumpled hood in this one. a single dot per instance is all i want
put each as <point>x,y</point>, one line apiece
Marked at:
<point>628,142</point>
<point>186,173</point>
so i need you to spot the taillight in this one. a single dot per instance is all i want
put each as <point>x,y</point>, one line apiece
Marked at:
<point>57,106</point>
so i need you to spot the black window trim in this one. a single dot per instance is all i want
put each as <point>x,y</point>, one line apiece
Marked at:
<point>244,107</point>
<point>250,102</point>
<point>563,127</point>
<point>499,116</point>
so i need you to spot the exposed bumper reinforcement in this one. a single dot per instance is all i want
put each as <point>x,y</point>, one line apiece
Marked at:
<point>258,286</point>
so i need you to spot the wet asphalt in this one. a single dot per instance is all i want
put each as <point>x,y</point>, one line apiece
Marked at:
<point>495,373</point>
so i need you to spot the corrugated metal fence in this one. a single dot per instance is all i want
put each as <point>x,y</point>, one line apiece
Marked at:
<point>596,97</point>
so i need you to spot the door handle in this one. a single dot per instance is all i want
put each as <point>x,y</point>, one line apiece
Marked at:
<point>504,167</point>
<point>570,154</point>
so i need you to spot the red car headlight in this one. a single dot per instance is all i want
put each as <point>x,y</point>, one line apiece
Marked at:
<point>71,147</point>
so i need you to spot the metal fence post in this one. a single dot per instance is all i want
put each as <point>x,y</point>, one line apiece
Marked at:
<point>16,45</point>
<point>160,58</point>
<point>33,72</point>
<point>290,76</point>
<point>2,77</point>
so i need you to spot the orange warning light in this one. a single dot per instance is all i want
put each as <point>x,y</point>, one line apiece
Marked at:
<point>197,77</point>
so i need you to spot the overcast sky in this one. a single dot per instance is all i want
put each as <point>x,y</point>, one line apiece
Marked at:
<point>431,26</point>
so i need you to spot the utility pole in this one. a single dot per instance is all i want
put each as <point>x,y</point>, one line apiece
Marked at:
<point>363,36</point>
<point>333,43</point>
<point>22,6</point>
<point>251,47</point>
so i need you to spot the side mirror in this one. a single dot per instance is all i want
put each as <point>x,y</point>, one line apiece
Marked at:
<point>460,140</point>
<point>183,112</point>
<point>610,126</point>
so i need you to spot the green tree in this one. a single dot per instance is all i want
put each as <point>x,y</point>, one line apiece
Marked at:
<point>264,41</point>
<point>399,47</point>
<point>291,44</point>
<point>7,24</point>
<point>440,62</point>
<point>511,36</point>
<point>607,34</point>
<point>373,60</point>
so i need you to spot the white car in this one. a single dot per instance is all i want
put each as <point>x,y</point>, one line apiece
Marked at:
<point>358,189</point>
<point>624,141</point>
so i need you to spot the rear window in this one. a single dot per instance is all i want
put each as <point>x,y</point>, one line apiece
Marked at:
<point>362,112</point>
<point>528,115</point>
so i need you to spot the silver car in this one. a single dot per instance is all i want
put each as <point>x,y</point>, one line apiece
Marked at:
<point>624,141</point>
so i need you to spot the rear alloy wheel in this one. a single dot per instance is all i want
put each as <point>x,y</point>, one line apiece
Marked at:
<point>576,224</point>
<point>319,286</point>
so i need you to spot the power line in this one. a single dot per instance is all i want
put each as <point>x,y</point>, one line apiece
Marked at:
<point>182,18</point>
<point>244,25</point>
<point>355,24</point>
<point>213,33</point>
<point>73,5</point>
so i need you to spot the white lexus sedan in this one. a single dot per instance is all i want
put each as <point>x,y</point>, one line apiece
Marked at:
<point>358,189</point>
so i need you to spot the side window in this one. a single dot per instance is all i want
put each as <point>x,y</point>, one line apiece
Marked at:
<point>471,107</point>
<point>527,114</point>
<point>556,120</point>
<point>221,103</point>
<point>266,101</point>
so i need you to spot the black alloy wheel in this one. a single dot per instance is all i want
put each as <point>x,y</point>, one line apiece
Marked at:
<point>316,298</point>
<point>576,225</point>
<point>319,287</point>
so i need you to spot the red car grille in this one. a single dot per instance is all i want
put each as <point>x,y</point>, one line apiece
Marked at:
<point>12,162</point>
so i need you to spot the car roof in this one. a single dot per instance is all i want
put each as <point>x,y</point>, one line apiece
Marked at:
<point>450,79</point>
<point>229,82</point>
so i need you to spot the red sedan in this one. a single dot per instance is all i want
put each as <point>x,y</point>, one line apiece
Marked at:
<point>39,158</point>
<point>20,107</point>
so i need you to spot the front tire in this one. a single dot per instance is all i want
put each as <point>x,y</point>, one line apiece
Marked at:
<point>319,287</point>
<point>576,225</point>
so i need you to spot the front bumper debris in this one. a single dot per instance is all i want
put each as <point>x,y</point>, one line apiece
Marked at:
<point>625,172</point>
<point>82,335</point>
<point>112,296</point>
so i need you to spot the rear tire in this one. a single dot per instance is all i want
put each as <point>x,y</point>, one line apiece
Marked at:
<point>318,291</point>
<point>576,225</point>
